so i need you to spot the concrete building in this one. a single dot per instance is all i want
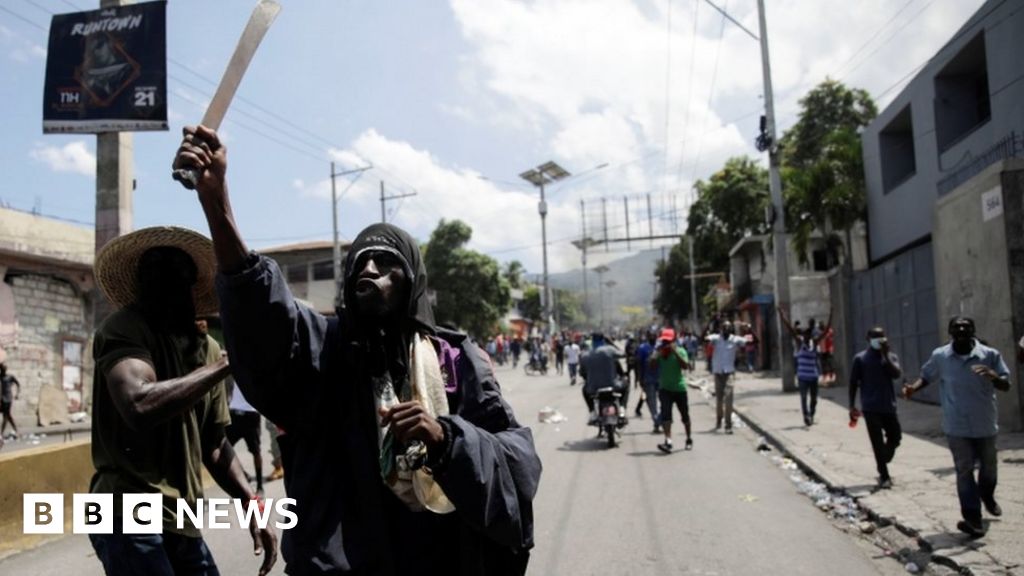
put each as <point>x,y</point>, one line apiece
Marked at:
<point>947,141</point>
<point>309,270</point>
<point>752,276</point>
<point>46,310</point>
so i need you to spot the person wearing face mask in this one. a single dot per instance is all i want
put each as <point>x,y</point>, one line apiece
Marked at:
<point>873,372</point>
<point>400,451</point>
<point>968,374</point>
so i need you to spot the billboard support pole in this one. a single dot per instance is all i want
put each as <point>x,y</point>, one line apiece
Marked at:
<point>114,186</point>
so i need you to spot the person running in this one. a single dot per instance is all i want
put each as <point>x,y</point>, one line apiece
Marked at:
<point>649,378</point>
<point>7,397</point>
<point>671,361</point>
<point>873,372</point>
<point>968,373</point>
<point>807,368</point>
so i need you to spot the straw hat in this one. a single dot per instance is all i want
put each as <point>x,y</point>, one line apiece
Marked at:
<point>117,264</point>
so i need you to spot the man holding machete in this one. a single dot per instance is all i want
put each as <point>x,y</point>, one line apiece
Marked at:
<point>400,452</point>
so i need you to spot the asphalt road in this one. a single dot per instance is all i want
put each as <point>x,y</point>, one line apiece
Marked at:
<point>721,509</point>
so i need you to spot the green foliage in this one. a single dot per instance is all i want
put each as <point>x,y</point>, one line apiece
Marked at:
<point>471,292</point>
<point>529,307</point>
<point>823,167</point>
<point>673,298</point>
<point>568,308</point>
<point>513,273</point>
<point>729,206</point>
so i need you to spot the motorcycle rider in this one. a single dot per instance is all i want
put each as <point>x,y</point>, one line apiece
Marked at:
<point>600,368</point>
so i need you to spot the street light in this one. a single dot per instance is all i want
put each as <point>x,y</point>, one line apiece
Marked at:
<point>539,176</point>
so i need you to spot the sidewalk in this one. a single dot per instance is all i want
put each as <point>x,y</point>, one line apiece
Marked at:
<point>923,502</point>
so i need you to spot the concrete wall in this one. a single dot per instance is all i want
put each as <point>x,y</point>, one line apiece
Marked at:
<point>896,218</point>
<point>48,311</point>
<point>972,265</point>
<point>64,469</point>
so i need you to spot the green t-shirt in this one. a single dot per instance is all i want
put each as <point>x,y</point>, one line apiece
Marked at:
<point>670,372</point>
<point>167,457</point>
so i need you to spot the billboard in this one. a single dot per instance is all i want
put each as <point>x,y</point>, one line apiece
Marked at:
<point>106,70</point>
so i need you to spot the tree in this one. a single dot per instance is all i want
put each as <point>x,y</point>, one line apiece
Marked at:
<point>513,273</point>
<point>471,292</point>
<point>729,206</point>
<point>673,298</point>
<point>529,306</point>
<point>823,166</point>
<point>568,308</point>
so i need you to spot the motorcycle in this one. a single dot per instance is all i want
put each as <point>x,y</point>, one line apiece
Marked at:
<point>609,417</point>
<point>535,366</point>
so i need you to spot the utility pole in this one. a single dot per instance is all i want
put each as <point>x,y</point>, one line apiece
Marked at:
<point>779,217</point>
<point>384,201</point>
<point>694,315</point>
<point>115,184</point>
<point>767,142</point>
<point>334,215</point>
<point>583,248</point>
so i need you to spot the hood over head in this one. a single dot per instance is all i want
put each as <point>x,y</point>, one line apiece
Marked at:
<point>389,238</point>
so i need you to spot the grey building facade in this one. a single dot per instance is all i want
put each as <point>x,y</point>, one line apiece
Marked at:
<point>947,134</point>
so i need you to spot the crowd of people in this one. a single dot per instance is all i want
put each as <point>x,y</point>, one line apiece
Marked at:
<point>655,363</point>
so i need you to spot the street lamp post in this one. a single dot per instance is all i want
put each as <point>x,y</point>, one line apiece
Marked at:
<point>610,284</point>
<point>539,176</point>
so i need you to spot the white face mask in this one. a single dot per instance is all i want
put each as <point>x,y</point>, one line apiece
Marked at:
<point>876,343</point>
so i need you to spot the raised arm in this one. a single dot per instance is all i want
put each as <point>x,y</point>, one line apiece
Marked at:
<point>824,331</point>
<point>785,322</point>
<point>201,148</point>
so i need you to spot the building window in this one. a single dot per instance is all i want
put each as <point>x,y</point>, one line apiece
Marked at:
<point>896,148</point>
<point>961,94</point>
<point>297,274</point>
<point>323,270</point>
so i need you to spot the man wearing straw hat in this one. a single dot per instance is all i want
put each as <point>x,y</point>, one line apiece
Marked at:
<point>399,449</point>
<point>159,408</point>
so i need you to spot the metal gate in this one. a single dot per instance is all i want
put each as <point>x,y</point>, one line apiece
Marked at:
<point>899,295</point>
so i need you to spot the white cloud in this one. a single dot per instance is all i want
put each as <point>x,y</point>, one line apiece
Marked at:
<point>73,157</point>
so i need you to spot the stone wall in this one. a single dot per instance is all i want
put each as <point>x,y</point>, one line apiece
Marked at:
<point>49,312</point>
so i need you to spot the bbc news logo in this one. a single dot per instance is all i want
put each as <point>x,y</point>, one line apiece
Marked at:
<point>143,513</point>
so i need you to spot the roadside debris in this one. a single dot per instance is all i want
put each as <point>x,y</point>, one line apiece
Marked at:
<point>549,415</point>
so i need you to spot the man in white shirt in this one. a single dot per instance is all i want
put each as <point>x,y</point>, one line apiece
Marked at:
<point>723,366</point>
<point>572,358</point>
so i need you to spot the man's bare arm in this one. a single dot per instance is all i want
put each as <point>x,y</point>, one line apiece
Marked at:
<point>144,402</point>
<point>202,149</point>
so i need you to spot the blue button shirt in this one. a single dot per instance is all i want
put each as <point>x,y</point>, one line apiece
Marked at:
<point>968,400</point>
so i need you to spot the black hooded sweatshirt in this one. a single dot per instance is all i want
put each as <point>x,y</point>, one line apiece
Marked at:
<point>311,376</point>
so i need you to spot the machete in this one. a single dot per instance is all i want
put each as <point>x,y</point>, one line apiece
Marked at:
<point>259,22</point>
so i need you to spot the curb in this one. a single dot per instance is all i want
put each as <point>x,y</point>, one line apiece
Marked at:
<point>941,559</point>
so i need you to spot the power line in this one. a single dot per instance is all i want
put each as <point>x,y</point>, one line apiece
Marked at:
<point>887,40</point>
<point>878,32</point>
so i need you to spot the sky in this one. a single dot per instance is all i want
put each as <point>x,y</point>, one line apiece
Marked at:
<point>451,101</point>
